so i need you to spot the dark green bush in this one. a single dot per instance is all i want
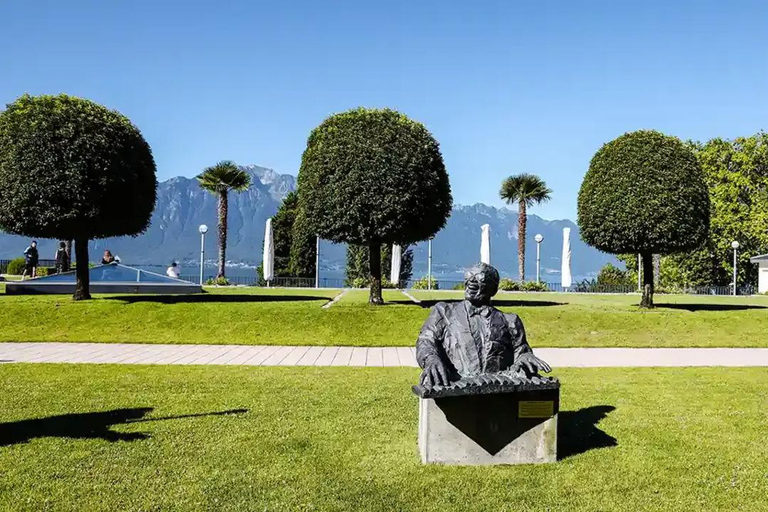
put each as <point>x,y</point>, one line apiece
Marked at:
<point>423,284</point>
<point>533,286</point>
<point>217,281</point>
<point>509,285</point>
<point>614,276</point>
<point>16,267</point>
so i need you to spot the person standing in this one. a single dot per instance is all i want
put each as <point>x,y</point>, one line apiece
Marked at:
<point>62,258</point>
<point>31,257</point>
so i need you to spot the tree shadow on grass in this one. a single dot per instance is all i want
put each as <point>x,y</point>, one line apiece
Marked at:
<point>577,431</point>
<point>90,425</point>
<point>214,298</point>
<point>711,307</point>
<point>497,303</point>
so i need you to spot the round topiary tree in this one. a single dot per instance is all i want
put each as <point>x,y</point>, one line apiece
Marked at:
<point>372,177</point>
<point>644,193</point>
<point>71,169</point>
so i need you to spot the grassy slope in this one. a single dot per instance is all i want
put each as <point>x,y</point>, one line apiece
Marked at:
<point>345,439</point>
<point>295,317</point>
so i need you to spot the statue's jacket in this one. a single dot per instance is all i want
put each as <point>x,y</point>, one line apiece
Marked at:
<point>471,340</point>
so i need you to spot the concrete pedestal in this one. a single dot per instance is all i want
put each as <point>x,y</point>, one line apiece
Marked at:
<point>504,428</point>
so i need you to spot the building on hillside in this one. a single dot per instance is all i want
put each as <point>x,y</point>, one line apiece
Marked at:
<point>762,272</point>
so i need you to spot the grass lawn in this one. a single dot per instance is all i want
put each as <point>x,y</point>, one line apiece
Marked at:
<point>99,437</point>
<point>295,317</point>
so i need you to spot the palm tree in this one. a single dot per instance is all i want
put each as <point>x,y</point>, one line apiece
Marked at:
<point>525,190</point>
<point>219,180</point>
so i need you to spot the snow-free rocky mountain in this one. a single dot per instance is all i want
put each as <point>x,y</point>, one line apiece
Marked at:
<point>182,206</point>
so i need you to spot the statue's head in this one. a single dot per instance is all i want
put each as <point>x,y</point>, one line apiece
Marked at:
<point>481,282</point>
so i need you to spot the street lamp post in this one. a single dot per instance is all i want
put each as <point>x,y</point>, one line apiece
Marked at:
<point>203,229</point>
<point>538,239</point>
<point>429,264</point>
<point>735,246</point>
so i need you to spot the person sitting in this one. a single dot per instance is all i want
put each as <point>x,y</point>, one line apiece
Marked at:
<point>62,258</point>
<point>173,270</point>
<point>107,259</point>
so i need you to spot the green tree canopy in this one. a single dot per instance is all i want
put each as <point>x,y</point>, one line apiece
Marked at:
<point>736,172</point>
<point>291,239</point>
<point>73,169</point>
<point>644,193</point>
<point>372,177</point>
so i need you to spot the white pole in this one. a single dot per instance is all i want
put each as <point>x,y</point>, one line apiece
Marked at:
<point>639,269</point>
<point>429,264</point>
<point>538,261</point>
<point>317,262</point>
<point>202,256</point>
<point>735,262</point>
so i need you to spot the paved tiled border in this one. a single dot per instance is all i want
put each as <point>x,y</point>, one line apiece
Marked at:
<point>273,355</point>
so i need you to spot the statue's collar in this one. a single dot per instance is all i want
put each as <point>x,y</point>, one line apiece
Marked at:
<point>484,310</point>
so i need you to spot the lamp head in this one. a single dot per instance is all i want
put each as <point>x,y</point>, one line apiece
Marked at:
<point>735,244</point>
<point>203,229</point>
<point>538,238</point>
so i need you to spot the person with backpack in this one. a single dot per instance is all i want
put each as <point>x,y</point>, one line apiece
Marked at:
<point>62,258</point>
<point>31,257</point>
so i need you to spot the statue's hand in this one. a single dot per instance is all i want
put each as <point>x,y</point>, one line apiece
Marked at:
<point>435,373</point>
<point>531,364</point>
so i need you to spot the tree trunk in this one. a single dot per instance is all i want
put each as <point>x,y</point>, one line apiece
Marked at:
<point>521,222</point>
<point>647,300</point>
<point>223,208</point>
<point>374,260</point>
<point>83,287</point>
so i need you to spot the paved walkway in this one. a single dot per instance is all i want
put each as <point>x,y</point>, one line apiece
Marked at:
<point>261,355</point>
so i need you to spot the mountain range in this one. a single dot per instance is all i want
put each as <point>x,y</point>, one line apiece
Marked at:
<point>182,206</point>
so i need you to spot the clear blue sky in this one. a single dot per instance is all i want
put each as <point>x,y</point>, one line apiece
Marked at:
<point>505,86</point>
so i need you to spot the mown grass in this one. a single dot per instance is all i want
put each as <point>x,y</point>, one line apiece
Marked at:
<point>345,439</point>
<point>295,317</point>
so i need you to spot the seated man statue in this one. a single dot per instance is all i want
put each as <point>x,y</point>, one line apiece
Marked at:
<point>470,338</point>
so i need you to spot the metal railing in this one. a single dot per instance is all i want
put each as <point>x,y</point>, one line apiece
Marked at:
<point>446,284</point>
<point>40,263</point>
<point>278,282</point>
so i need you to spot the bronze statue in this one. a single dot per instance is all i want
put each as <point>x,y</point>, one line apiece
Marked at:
<point>464,341</point>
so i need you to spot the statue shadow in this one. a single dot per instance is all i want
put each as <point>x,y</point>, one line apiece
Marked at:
<point>492,422</point>
<point>91,425</point>
<point>693,308</point>
<point>214,298</point>
<point>577,431</point>
<point>498,303</point>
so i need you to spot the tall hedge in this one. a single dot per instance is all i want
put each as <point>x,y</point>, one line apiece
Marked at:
<point>71,169</point>
<point>372,177</point>
<point>644,193</point>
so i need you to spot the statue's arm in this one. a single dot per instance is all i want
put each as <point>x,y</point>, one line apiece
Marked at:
<point>517,332</point>
<point>429,350</point>
<point>430,338</point>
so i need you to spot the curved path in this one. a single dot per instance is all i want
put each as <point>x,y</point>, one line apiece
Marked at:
<point>272,355</point>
